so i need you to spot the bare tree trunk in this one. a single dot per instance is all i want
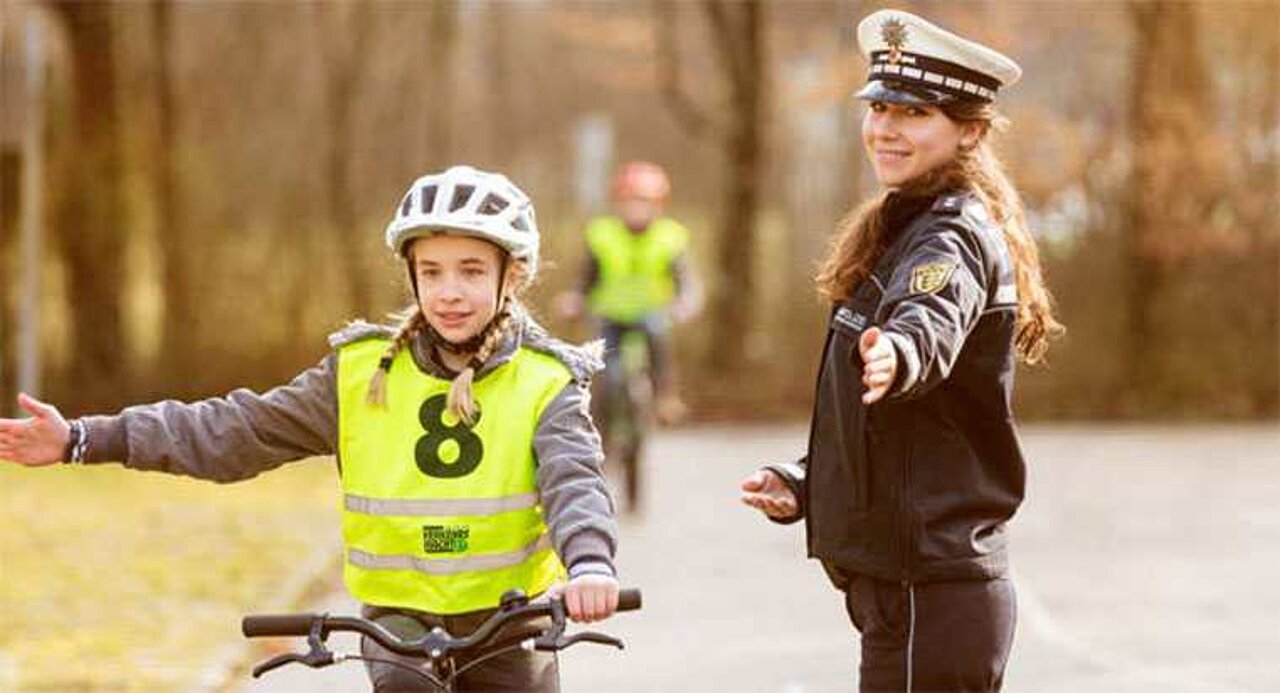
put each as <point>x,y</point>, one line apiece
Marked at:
<point>345,32</point>
<point>1266,234</point>
<point>442,50</point>
<point>737,32</point>
<point>1168,101</point>
<point>10,180</point>
<point>179,335</point>
<point>501,111</point>
<point>89,215</point>
<point>739,36</point>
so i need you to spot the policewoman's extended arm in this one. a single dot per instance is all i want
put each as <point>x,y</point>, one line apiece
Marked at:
<point>934,298</point>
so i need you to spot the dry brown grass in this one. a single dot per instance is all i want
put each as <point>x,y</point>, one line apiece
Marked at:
<point>112,580</point>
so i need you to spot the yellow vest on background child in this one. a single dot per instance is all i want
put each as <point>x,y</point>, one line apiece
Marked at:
<point>635,268</point>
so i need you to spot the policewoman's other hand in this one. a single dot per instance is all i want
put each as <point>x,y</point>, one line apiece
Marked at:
<point>591,597</point>
<point>879,364</point>
<point>766,492</point>
<point>36,441</point>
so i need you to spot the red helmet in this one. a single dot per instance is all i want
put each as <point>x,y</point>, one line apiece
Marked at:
<point>643,179</point>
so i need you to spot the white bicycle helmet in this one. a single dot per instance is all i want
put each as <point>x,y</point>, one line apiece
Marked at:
<point>469,202</point>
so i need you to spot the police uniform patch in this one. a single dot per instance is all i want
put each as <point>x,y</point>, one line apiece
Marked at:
<point>928,278</point>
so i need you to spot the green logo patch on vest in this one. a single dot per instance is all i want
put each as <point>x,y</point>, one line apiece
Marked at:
<point>445,539</point>
<point>928,278</point>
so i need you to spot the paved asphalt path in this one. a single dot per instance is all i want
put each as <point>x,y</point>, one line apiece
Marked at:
<point>1146,559</point>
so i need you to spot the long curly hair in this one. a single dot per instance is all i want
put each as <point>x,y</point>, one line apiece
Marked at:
<point>863,234</point>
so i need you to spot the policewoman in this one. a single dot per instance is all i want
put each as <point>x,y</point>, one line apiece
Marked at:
<point>914,468</point>
<point>469,464</point>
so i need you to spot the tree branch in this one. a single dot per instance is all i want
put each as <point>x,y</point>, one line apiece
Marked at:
<point>694,119</point>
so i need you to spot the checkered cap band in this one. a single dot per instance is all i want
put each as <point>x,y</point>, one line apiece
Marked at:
<point>934,74</point>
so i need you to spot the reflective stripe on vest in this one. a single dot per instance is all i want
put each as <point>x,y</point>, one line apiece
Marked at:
<point>445,506</point>
<point>449,566</point>
<point>437,516</point>
<point>635,268</point>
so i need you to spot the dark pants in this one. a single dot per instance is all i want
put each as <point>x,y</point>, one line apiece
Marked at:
<point>932,637</point>
<point>518,670</point>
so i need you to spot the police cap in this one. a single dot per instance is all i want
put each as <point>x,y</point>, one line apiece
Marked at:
<point>917,63</point>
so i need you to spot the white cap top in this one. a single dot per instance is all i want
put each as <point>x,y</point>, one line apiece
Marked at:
<point>907,49</point>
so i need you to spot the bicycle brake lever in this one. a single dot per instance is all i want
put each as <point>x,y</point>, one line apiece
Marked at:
<point>559,641</point>
<point>552,638</point>
<point>590,636</point>
<point>317,656</point>
<point>275,663</point>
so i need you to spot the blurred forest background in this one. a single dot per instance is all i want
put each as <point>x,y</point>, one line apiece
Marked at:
<point>213,179</point>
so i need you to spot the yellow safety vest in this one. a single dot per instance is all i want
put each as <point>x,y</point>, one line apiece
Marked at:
<point>437,516</point>
<point>635,268</point>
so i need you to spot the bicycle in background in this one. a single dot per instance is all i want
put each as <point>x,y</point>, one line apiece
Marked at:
<point>623,409</point>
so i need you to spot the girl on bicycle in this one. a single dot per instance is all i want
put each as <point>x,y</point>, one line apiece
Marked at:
<point>914,466</point>
<point>469,465</point>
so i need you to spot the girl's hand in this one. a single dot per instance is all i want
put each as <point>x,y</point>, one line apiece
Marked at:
<point>766,492</point>
<point>880,364</point>
<point>591,597</point>
<point>37,441</point>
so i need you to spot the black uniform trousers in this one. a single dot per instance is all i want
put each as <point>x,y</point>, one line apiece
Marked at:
<point>932,637</point>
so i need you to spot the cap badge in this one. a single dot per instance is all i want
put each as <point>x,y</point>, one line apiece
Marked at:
<point>894,34</point>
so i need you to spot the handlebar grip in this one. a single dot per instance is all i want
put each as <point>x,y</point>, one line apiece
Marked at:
<point>268,625</point>
<point>629,599</point>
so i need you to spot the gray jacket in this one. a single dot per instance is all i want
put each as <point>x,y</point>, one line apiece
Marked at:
<point>243,434</point>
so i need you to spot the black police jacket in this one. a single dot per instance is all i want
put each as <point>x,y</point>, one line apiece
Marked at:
<point>919,485</point>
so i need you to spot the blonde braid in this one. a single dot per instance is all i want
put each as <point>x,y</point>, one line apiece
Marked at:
<point>460,401</point>
<point>411,322</point>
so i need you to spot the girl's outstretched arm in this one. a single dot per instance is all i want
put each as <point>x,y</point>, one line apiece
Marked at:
<point>227,438</point>
<point>35,441</point>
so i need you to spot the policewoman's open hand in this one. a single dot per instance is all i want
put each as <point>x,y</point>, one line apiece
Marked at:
<point>879,364</point>
<point>36,441</point>
<point>766,492</point>
<point>589,598</point>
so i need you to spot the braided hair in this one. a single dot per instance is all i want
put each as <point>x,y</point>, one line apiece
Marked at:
<point>412,322</point>
<point>460,401</point>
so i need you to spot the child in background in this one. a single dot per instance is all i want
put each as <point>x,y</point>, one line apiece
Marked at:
<point>638,278</point>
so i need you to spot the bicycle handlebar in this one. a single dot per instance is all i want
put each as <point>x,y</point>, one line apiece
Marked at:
<point>435,643</point>
<point>271,625</point>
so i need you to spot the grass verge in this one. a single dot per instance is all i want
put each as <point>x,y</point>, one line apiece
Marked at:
<point>120,581</point>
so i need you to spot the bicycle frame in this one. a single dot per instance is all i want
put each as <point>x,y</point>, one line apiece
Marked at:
<point>623,406</point>
<point>439,650</point>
